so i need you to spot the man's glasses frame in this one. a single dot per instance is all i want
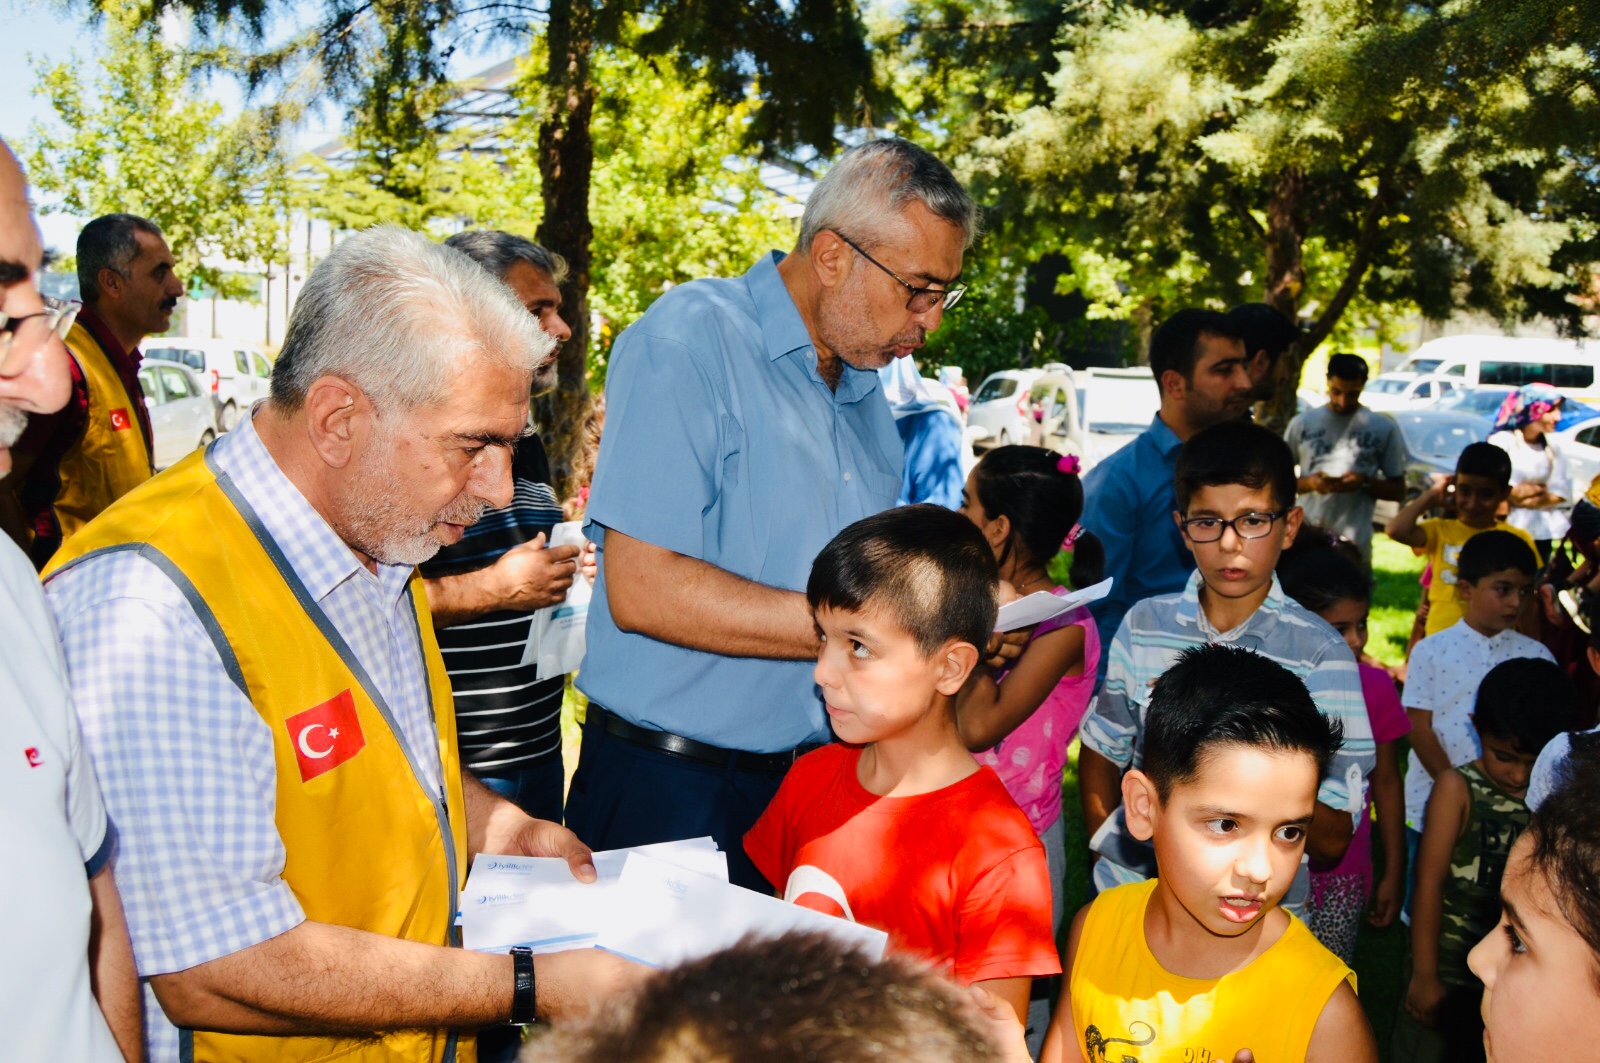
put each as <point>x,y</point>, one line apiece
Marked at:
<point>1201,529</point>
<point>922,299</point>
<point>57,317</point>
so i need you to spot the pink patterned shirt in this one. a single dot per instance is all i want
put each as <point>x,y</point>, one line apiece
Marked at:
<point>1030,759</point>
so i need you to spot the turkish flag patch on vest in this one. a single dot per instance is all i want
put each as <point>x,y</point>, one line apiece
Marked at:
<point>325,735</point>
<point>120,421</point>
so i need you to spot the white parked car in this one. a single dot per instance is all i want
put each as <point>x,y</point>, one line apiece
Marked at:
<point>1056,400</point>
<point>235,374</point>
<point>1508,362</point>
<point>182,416</point>
<point>1118,404</point>
<point>1000,408</point>
<point>1407,391</point>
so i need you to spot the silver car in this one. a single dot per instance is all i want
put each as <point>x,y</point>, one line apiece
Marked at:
<point>182,415</point>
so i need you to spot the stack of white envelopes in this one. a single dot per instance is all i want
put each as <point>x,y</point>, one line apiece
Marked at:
<point>656,904</point>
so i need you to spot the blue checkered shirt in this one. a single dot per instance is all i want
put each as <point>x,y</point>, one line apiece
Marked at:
<point>184,759</point>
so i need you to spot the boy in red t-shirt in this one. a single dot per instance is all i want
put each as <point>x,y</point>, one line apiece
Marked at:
<point>896,826</point>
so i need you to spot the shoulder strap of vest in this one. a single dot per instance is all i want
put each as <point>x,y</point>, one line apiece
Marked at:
<point>202,611</point>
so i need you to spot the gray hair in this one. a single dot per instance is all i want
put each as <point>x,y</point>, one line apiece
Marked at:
<point>109,242</point>
<point>885,177</point>
<point>398,316</point>
<point>498,251</point>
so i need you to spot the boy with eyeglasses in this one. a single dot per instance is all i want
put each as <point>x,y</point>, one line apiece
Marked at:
<point>1235,488</point>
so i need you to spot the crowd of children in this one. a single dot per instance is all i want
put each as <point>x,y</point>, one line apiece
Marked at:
<point>1240,757</point>
<point>1162,970</point>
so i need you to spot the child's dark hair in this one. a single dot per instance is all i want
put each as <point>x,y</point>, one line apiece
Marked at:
<point>801,996</point>
<point>928,567</point>
<point>1495,551</point>
<point>1527,701</point>
<point>1566,843</point>
<point>1319,574</point>
<point>1485,460</point>
<point>1217,695</point>
<point>1236,452</point>
<point>1030,488</point>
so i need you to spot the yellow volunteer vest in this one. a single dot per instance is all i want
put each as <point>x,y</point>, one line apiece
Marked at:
<point>368,847</point>
<point>1126,1005</point>
<point>112,458</point>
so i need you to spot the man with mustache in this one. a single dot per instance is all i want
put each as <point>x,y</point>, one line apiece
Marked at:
<point>77,462</point>
<point>744,429</point>
<point>250,649</point>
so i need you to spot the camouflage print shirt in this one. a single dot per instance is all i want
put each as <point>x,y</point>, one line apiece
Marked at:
<point>1472,889</point>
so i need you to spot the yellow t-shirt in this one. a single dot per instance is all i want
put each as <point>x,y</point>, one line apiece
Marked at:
<point>1126,1006</point>
<point>1445,539</point>
<point>1593,494</point>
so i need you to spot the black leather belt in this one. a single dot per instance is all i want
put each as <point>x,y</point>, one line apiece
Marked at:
<point>689,749</point>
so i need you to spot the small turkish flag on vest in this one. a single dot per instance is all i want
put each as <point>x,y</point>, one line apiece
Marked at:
<point>326,735</point>
<point>120,421</point>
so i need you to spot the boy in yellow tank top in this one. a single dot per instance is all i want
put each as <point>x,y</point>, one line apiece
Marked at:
<point>1200,963</point>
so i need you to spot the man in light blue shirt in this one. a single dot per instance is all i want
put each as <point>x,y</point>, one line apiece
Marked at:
<point>1198,360</point>
<point>744,430</point>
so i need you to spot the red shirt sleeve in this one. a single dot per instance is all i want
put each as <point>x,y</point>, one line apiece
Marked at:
<point>1003,927</point>
<point>770,843</point>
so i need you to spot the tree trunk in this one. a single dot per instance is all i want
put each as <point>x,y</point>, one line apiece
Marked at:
<point>566,162</point>
<point>1285,279</point>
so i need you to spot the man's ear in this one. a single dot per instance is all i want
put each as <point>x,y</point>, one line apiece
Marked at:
<point>111,282</point>
<point>337,414</point>
<point>1141,804</point>
<point>831,258</point>
<point>1594,659</point>
<point>1172,383</point>
<point>956,661</point>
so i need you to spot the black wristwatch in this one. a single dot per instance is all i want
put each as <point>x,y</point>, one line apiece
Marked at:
<point>523,997</point>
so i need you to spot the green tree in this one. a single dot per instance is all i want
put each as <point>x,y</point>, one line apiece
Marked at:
<point>383,56</point>
<point>667,205</point>
<point>139,135</point>
<point>1319,155</point>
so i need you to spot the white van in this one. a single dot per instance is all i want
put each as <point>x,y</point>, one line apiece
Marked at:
<point>1509,361</point>
<point>236,373</point>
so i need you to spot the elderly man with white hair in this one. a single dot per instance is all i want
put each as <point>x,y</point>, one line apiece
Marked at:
<point>263,697</point>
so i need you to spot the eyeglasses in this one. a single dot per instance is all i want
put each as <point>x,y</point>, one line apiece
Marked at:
<point>922,299</point>
<point>1245,526</point>
<point>57,317</point>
